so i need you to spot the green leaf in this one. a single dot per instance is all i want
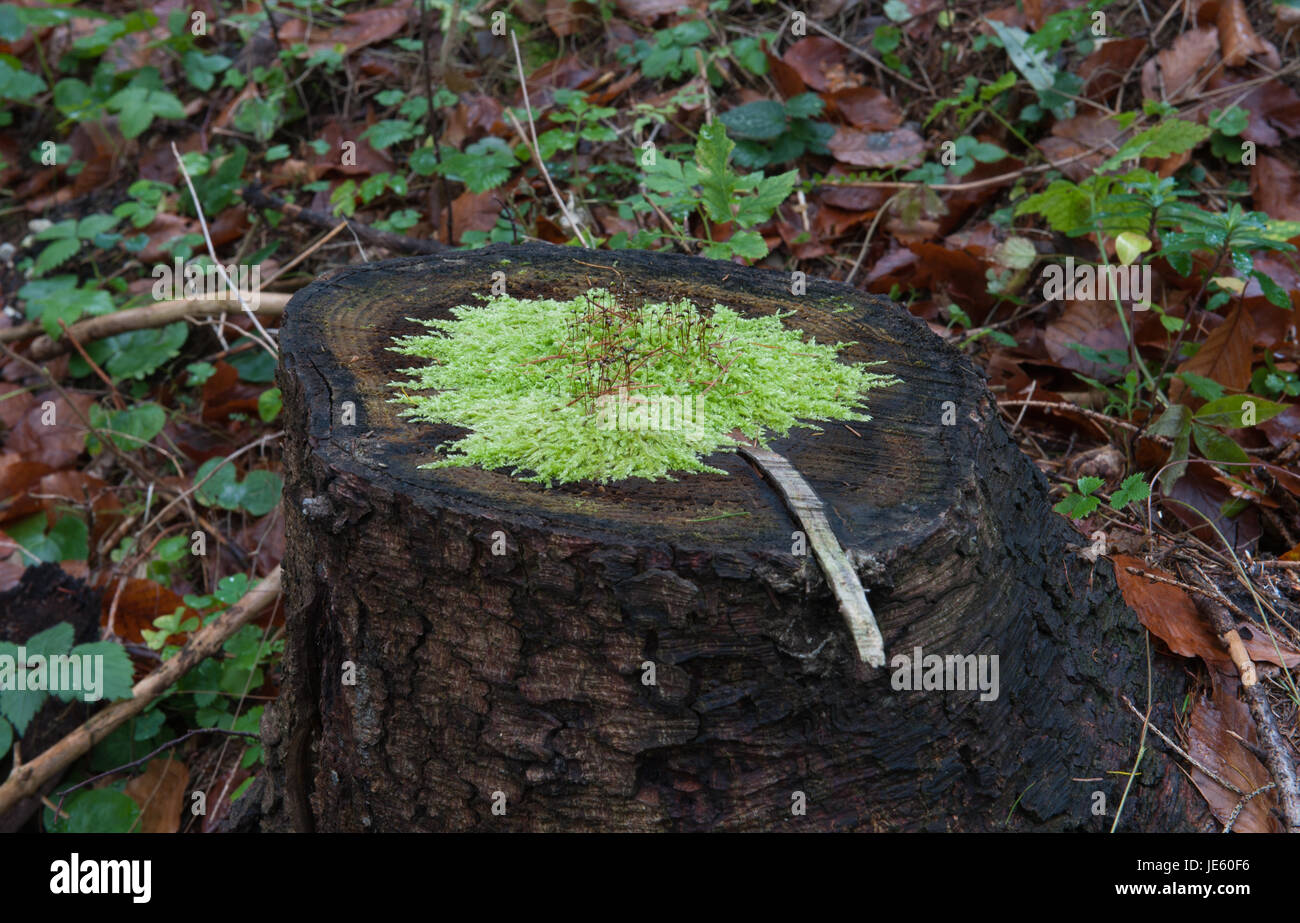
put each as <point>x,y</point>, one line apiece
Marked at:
<point>1087,485</point>
<point>1230,412</point>
<point>749,244</point>
<point>261,492</point>
<point>1065,206</point>
<point>129,429</point>
<point>55,255</point>
<point>758,121</point>
<point>1217,447</point>
<point>6,737</point>
<point>97,810</point>
<point>1207,389</point>
<point>116,670</point>
<point>388,132</point>
<point>269,403</point>
<point>1134,488</point>
<point>135,354</point>
<point>1076,506</point>
<point>1033,65</point>
<point>16,83</point>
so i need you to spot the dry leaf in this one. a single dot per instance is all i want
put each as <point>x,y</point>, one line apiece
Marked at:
<point>900,148</point>
<point>1236,34</point>
<point>1224,356</point>
<point>1211,743</point>
<point>160,793</point>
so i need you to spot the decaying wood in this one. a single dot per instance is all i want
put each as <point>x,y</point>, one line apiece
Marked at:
<point>651,655</point>
<point>809,512</point>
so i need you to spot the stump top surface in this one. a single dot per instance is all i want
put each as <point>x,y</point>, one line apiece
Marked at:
<point>901,470</point>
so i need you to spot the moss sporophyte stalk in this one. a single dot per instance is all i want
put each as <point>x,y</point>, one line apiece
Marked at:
<point>606,387</point>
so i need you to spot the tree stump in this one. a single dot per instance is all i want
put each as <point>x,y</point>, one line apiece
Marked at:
<point>431,684</point>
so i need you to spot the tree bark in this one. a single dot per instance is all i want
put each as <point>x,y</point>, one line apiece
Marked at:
<point>508,692</point>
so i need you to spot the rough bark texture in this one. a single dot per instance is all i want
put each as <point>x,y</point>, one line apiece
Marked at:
<point>521,674</point>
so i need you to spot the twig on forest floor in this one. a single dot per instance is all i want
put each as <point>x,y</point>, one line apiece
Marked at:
<point>27,779</point>
<point>1276,755</point>
<point>221,270</point>
<point>159,314</point>
<point>398,243</point>
<point>533,145</point>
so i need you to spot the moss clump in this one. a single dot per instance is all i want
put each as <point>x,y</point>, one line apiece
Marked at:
<point>603,388</point>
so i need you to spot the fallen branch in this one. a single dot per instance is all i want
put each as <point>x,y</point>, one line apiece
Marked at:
<point>27,779</point>
<point>1275,747</point>
<point>154,315</point>
<point>809,511</point>
<point>399,243</point>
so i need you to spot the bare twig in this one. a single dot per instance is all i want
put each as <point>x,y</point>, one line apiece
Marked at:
<point>533,146</point>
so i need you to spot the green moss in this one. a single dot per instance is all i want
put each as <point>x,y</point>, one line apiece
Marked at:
<point>598,388</point>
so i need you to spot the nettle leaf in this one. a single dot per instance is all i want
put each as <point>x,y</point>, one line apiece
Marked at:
<point>388,132</point>
<point>1233,411</point>
<point>1062,204</point>
<point>55,255</point>
<point>758,121</point>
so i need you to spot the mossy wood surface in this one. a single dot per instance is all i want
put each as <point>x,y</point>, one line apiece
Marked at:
<point>522,673</point>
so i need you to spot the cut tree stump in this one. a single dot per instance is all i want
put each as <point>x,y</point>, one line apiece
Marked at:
<point>431,684</point>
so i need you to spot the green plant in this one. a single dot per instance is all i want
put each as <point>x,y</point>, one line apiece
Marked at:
<point>572,390</point>
<point>771,133</point>
<point>709,188</point>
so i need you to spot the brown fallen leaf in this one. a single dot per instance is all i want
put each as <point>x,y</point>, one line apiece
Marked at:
<point>1275,188</point>
<point>813,58</point>
<point>1171,75</point>
<point>1169,613</point>
<point>360,28</point>
<point>1237,36</point>
<point>899,148</point>
<point>1087,323</point>
<point>51,432</point>
<point>1211,742</point>
<point>1225,356</point>
<point>866,108</point>
<point>160,793</point>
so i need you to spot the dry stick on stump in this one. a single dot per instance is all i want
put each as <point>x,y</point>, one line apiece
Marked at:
<point>809,511</point>
<point>27,779</point>
<point>398,243</point>
<point>1280,765</point>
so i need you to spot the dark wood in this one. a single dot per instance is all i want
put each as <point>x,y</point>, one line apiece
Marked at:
<point>521,673</point>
